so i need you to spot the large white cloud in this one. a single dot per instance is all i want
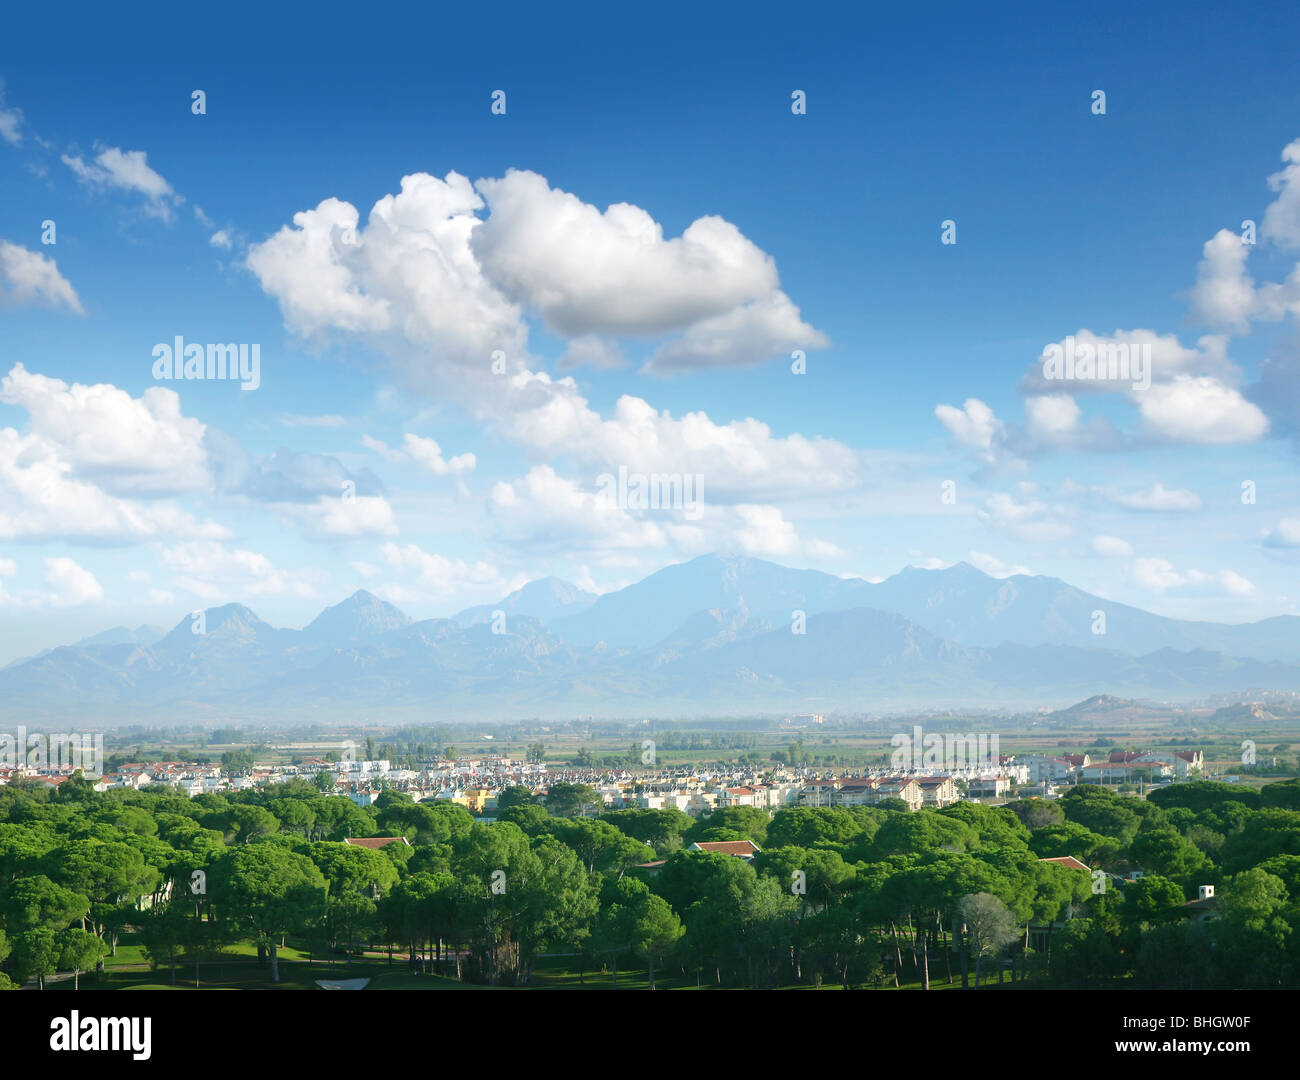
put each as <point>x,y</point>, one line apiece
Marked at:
<point>40,498</point>
<point>740,461</point>
<point>614,273</point>
<point>1200,409</point>
<point>408,275</point>
<point>544,511</point>
<point>441,291</point>
<point>1148,356</point>
<point>1182,395</point>
<point>126,445</point>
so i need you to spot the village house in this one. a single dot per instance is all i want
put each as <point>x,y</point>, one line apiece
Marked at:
<point>1205,907</point>
<point>937,791</point>
<point>905,788</point>
<point>1043,767</point>
<point>1183,762</point>
<point>741,849</point>
<point>988,787</point>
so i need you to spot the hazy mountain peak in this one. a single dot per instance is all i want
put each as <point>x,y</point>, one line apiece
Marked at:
<point>228,613</point>
<point>551,586</point>
<point>960,569</point>
<point>545,599</point>
<point>362,614</point>
<point>713,632</point>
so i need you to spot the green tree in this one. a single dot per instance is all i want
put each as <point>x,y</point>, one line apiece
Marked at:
<point>807,826</point>
<point>515,795</point>
<point>520,897</point>
<point>237,760</point>
<point>421,911</point>
<point>35,955</point>
<point>571,800</point>
<point>656,929</point>
<point>78,951</point>
<point>1152,898</point>
<point>244,824</point>
<point>1283,794</point>
<point>598,845</point>
<point>267,892</point>
<point>1164,851</point>
<point>39,903</point>
<point>615,926</point>
<point>1100,811</point>
<point>112,876</point>
<point>989,927</point>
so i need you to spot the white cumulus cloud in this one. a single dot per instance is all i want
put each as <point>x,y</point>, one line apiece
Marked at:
<point>30,277</point>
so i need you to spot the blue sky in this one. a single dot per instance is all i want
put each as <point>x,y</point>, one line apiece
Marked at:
<point>127,499</point>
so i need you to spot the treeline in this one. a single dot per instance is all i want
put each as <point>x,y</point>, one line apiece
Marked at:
<point>705,740</point>
<point>861,897</point>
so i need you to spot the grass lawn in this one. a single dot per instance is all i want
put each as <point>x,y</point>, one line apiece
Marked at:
<point>238,969</point>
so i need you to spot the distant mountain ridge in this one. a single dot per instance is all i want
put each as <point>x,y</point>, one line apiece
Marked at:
<point>717,633</point>
<point>546,599</point>
<point>969,606</point>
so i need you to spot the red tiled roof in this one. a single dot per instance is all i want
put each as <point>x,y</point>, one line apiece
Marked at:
<point>729,847</point>
<point>1067,860</point>
<point>374,843</point>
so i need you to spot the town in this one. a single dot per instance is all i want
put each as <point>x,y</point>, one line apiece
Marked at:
<point>476,782</point>
<point>880,861</point>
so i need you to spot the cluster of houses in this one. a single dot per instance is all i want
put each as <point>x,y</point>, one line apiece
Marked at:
<point>475,783</point>
<point>1120,767</point>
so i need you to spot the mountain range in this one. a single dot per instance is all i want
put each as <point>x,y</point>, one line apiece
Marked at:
<point>719,634</point>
